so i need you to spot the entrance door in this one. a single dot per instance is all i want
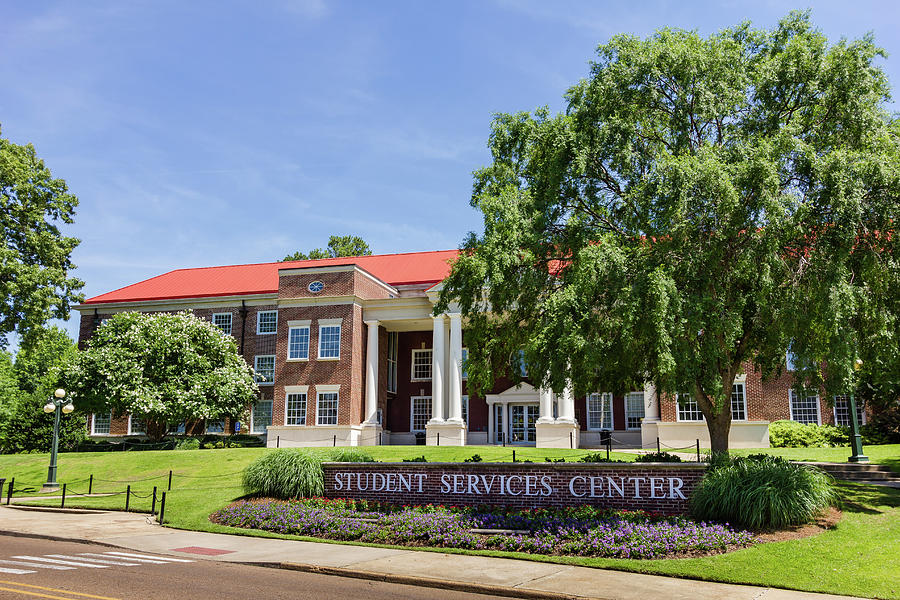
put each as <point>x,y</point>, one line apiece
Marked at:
<point>523,418</point>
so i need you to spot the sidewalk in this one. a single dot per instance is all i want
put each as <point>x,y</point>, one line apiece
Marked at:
<point>497,576</point>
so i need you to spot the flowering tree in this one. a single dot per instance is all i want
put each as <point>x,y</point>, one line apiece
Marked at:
<point>163,367</point>
<point>701,204</point>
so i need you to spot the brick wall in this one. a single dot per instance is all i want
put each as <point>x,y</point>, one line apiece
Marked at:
<point>524,485</point>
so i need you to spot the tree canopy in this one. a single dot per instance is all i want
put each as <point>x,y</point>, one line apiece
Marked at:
<point>25,387</point>
<point>163,367</point>
<point>35,257</point>
<point>338,245</point>
<point>701,204</point>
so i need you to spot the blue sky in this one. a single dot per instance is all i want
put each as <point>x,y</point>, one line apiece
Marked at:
<point>205,133</point>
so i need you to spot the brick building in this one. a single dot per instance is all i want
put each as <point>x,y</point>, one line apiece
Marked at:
<point>351,354</point>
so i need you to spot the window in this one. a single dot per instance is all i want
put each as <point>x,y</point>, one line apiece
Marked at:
<point>178,428</point>
<point>261,417</point>
<point>523,372</point>
<point>327,408</point>
<point>266,322</point>
<point>421,412</point>
<point>298,343</point>
<point>223,322</point>
<point>215,426</point>
<point>634,410</point>
<point>465,410</point>
<point>265,369</point>
<point>421,365</point>
<point>465,360</point>
<point>392,361</point>
<point>790,361</point>
<point>805,407</point>
<point>687,408</point>
<point>842,412</point>
<point>329,340</point>
<point>136,425</point>
<point>100,423</point>
<point>600,412</point>
<point>295,408</point>
<point>738,403</point>
<point>379,416</point>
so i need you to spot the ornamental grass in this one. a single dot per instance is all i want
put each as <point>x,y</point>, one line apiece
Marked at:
<point>763,492</point>
<point>293,473</point>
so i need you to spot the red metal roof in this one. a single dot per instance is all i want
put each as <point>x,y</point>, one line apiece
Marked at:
<point>262,278</point>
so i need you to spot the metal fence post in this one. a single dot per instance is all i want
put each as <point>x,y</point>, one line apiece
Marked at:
<point>170,481</point>
<point>9,491</point>
<point>153,506</point>
<point>127,497</point>
<point>162,508</point>
<point>658,449</point>
<point>90,484</point>
<point>62,502</point>
<point>698,449</point>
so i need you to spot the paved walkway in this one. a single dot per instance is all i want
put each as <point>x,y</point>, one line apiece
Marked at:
<point>498,576</point>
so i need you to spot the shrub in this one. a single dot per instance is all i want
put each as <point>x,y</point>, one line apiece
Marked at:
<point>658,457</point>
<point>790,434</point>
<point>762,492</point>
<point>473,458</point>
<point>285,473</point>
<point>188,444</point>
<point>416,459</point>
<point>351,455</point>
<point>598,457</point>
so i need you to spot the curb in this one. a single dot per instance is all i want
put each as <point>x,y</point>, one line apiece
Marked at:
<point>53,509</point>
<point>429,582</point>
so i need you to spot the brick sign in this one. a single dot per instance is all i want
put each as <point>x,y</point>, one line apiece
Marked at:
<point>655,487</point>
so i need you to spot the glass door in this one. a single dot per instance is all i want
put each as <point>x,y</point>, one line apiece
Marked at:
<point>522,422</point>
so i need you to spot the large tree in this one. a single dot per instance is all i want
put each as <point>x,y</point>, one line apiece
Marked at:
<point>35,284</point>
<point>338,245</point>
<point>27,385</point>
<point>162,367</point>
<point>702,203</point>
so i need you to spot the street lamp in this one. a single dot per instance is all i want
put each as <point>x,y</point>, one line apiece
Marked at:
<point>57,405</point>
<point>855,438</point>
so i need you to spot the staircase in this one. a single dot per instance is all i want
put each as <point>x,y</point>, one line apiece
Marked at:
<point>869,473</point>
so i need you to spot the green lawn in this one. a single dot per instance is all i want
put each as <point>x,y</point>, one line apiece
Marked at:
<point>887,454</point>
<point>857,557</point>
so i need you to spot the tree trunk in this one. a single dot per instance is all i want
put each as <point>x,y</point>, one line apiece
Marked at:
<point>719,428</point>
<point>156,430</point>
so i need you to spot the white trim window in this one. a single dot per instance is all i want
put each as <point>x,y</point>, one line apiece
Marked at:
<point>264,365</point>
<point>464,363</point>
<point>329,339</point>
<point>266,322</point>
<point>687,408</point>
<point>805,408</point>
<point>738,402</point>
<point>298,342</point>
<point>223,322</point>
<point>600,411</point>
<point>420,413</point>
<point>100,423</point>
<point>465,410</point>
<point>295,405</point>
<point>634,410</point>
<point>326,405</point>
<point>790,360</point>
<point>842,412</point>
<point>136,425</point>
<point>261,416</point>
<point>215,426</point>
<point>176,428</point>
<point>392,354</point>
<point>421,365</point>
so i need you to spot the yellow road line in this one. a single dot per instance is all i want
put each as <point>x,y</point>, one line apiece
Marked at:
<point>49,589</point>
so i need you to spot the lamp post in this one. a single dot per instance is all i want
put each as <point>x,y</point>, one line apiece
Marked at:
<point>855,438</point>
<point>55,405</point>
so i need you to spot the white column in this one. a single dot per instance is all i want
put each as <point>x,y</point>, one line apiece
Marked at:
<point>504,418</point>
<point>491,434</point>
<point>567,405</point>
<point>455,386</point>
<point>651,402</point>
<point>546,406</point>
<point>437,371</point>
<point>371,415</point>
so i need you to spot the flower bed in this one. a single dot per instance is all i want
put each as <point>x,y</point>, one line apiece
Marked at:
<point>582,531</point>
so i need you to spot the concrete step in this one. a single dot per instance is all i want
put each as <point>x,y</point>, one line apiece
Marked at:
<point>857,472</point>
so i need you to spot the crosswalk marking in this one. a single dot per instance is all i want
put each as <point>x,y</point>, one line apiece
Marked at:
<point>15,571</point>
<point>129,559</point>
<point>57,561</point>
<point>68,593</point>
<point>117,563</point>
<point>165,558</point>
<point>20,563</point>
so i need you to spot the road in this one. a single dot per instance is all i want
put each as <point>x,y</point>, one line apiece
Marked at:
<point>34,569</point>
